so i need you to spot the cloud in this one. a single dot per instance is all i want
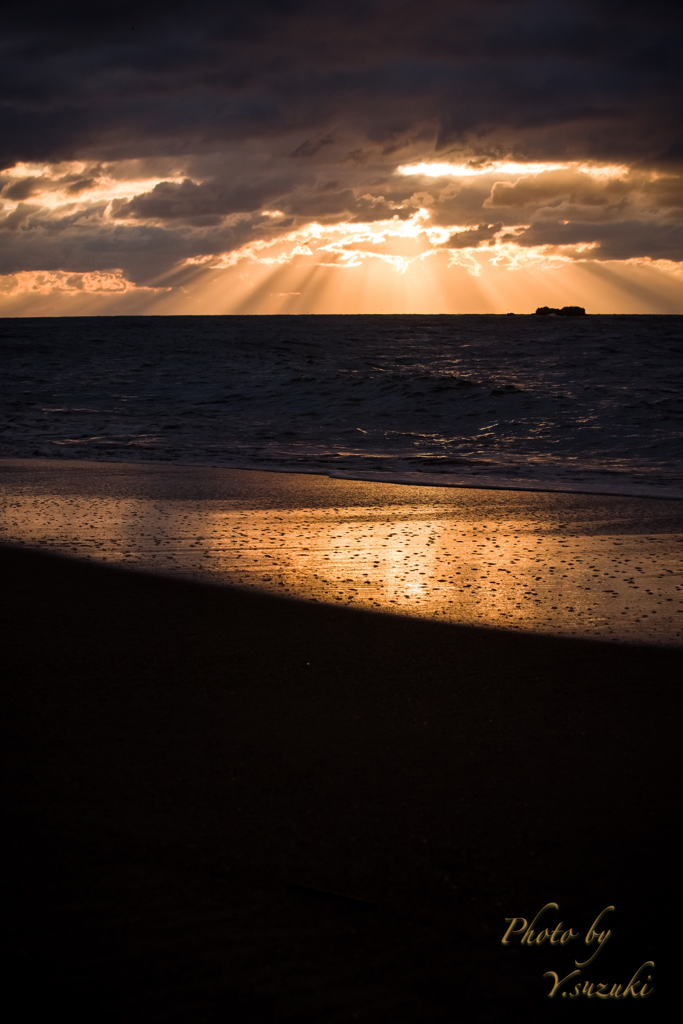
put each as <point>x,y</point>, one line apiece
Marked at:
<point>611,241</point>
<point>136,138</point>
<point>521,75</point>
<point>475,236</point>
<point>22,189</point>
<point>188,200</point>
<point>20,215</point>
<point>310,148</point>
<point>578,188</point>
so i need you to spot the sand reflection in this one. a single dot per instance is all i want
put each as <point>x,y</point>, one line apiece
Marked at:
<point>410,557</point>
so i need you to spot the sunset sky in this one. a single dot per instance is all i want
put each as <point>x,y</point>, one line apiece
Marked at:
<point>341,156</point>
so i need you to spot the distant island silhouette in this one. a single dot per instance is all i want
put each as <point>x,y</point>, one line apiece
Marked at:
<point>565,311</point>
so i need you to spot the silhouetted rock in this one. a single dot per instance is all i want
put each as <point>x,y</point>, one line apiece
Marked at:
<point>565,311</point>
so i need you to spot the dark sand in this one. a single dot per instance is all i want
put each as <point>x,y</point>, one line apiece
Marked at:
<point>225,806</point>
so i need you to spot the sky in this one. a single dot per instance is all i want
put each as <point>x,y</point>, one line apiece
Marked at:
<point>341,156</point>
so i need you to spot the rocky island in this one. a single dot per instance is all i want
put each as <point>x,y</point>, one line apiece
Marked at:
<point>565,311</point>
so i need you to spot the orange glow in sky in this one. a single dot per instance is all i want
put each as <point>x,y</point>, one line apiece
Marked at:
<point>409,263</point>
<point>391,267</point>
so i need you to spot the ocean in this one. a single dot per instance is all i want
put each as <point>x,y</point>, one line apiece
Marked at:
<point>592,404</point>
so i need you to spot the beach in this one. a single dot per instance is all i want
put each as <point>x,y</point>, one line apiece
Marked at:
<point>228,805</point>
<point>341,512</point>
<point>573,564</point>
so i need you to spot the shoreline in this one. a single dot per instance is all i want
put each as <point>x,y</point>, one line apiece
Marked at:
<point>549,563</point>
<point>415,479</point>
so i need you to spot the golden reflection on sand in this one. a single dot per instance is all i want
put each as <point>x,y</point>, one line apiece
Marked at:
<point>408,559</point>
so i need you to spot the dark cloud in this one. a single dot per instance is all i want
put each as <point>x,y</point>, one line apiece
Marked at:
<point>20,215</point>
<point>473,236</point>
<point>580,189</point>
<point>221,111</point>
<point>614,241</point>
<point>21,189</point>
<point>80,185</point>
<point>188,200</point>
<point>310,148</point>
<point>321,203</point>
<point>664,193</point>
<point>123,79</point>
<point>145,253</point>
<point>458,203</point>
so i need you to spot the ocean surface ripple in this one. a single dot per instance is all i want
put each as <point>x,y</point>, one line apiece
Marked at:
<point>590,403</point>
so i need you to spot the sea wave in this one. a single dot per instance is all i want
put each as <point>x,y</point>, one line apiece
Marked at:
<point>592,404</point>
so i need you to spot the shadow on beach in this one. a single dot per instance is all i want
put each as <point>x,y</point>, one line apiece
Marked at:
<point>228,806</point>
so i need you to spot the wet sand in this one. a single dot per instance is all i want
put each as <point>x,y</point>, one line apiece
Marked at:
<point>222,805</point>
<point>569,564</point>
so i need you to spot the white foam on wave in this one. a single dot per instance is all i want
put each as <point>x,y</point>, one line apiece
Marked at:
<point>593,406</point>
